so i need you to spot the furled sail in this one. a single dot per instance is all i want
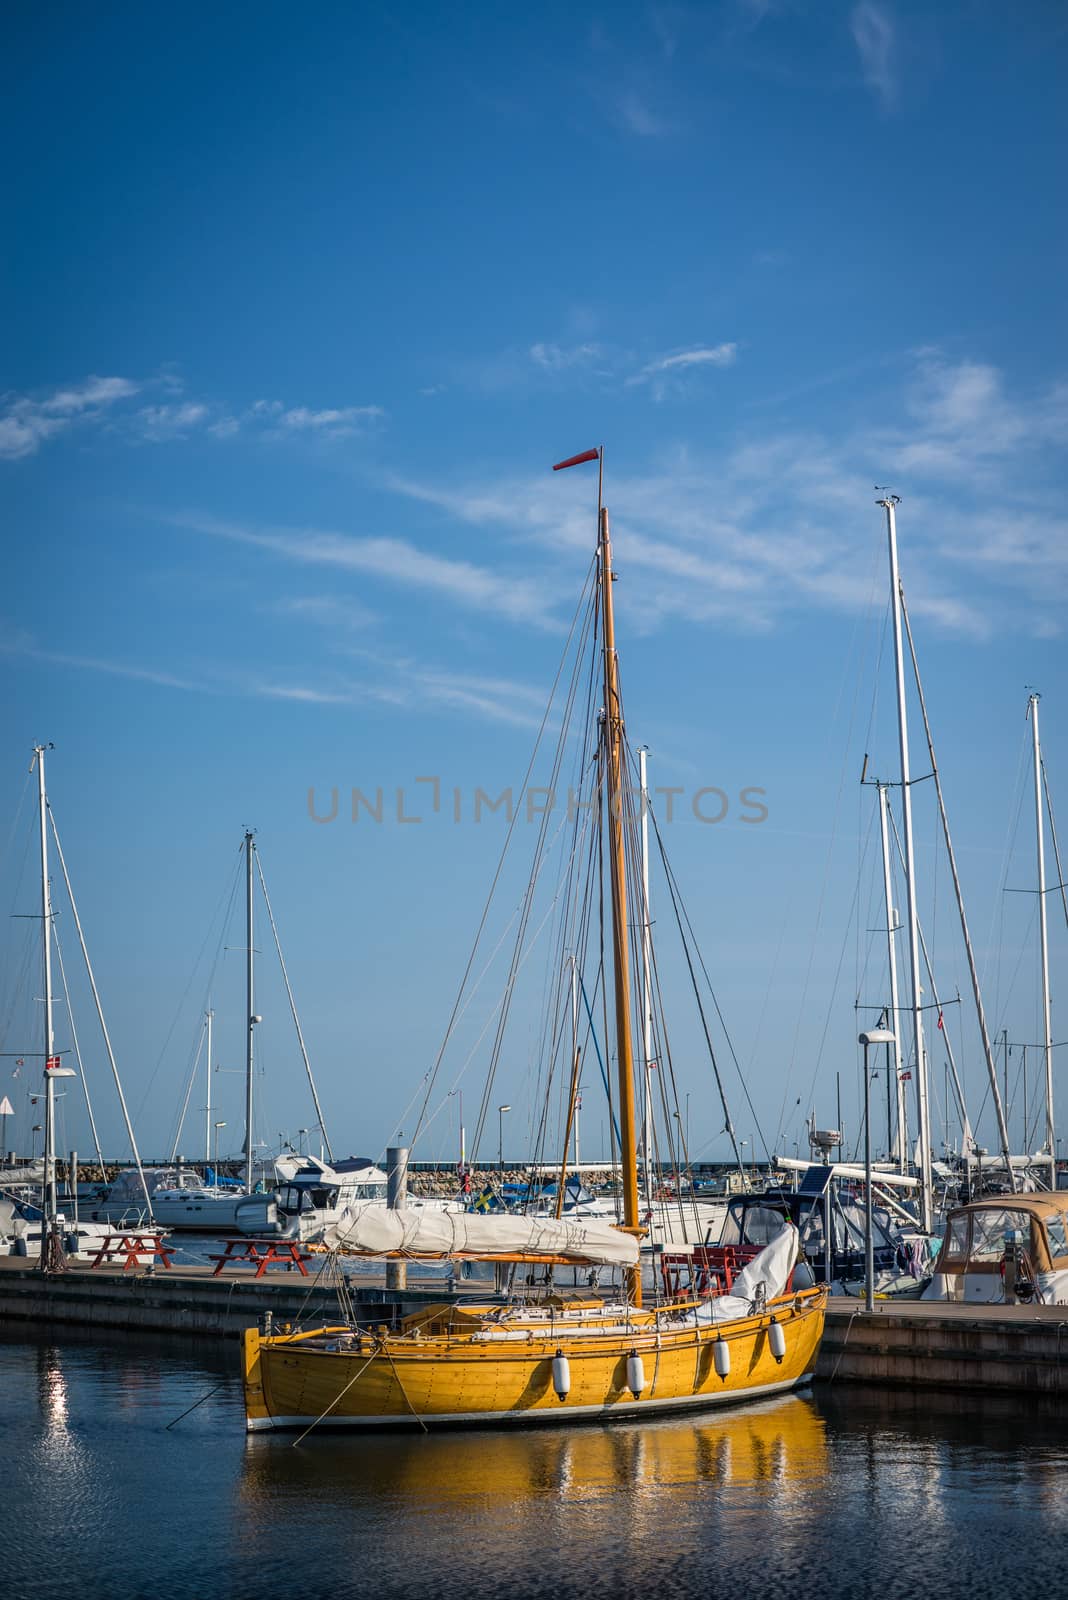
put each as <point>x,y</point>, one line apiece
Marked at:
<point>373,1229</point>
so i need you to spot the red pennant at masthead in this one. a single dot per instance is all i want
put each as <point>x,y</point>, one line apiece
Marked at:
<point>576,461</point>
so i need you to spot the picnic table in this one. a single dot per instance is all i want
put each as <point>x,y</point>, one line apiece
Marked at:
<point>130,1245</point>
<point>262,1253</point>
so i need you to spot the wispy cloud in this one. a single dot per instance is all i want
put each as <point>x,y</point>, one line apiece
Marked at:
<point>171,421</point>
<point>26,423</point>
<point>875,37</point>
<point>396,561</point>
<point>399,682</point>
<point>24,646</point>
<point>557,358</point>
<point>327,611</point>
<point>633,113</point>
<point>331,422</point>
<point>775,521</point>
<point>719,355</point>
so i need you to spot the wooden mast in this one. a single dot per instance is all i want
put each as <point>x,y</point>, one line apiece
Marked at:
<point>613,736</point>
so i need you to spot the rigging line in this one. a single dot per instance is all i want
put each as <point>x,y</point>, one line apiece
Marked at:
<point>997,914</point>
<point>185,993</point>
<point>77,1049</point>
<point>568,903</point>
<point>293,1009</point>
<point>202,1033</point>
<point>16,819</point>
<point>600,1058</point>
<point>876,683</point>
<point>100,1012</point>
<point>672,891</point>
<point>556,1003</point>
<point>432,1075</point>
<point>957,1085</point>
<point>663,1057</point>
<point>1053,836</point>
<point>973,970</point>
<point>819,918</point>
<point>20,979</point>
<point>540,857</point>
<point>527,953</point>
<point>837,975</point>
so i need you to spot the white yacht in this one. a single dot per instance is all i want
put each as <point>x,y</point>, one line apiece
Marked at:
<point>180,1199</point>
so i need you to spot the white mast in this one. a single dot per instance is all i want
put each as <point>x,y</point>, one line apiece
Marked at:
<point>252,1018</point>
<point>575,1051</point>
<point>891,953</point>
<point>647,993</point>
<point>209,1017</point>
<point>922,1105</point>
<point>1047,1033</point>
<point>48,1196</point>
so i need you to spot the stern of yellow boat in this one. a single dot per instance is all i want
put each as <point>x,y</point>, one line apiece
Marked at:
<point>256,1413</point>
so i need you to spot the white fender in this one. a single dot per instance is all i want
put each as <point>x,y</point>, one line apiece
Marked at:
<point>777,1339</point>
<point>635,1374</point>
<point>561,1375</point>
<point>721,1353</point>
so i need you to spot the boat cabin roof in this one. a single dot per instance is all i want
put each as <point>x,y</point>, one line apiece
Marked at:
<point>975,1234</point>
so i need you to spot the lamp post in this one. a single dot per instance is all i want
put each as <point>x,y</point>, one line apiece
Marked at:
<point>500,1142</point>
<point>302,1134</point>
<point>217,1125</point>
<point>873,1036</point>
<point>33,1142</point>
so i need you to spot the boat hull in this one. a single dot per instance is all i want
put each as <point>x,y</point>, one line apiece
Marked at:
<point>481,1378</point>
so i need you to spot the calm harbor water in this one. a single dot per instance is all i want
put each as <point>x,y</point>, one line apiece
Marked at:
<point>843,1493</point>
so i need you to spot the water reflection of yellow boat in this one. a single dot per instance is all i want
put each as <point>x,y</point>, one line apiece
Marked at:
<point>767,1442</point>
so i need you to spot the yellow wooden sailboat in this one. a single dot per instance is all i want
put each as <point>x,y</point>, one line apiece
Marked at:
<point>560,1358</point>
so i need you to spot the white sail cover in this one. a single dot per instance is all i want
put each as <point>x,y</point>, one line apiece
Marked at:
<point>772,1268</point>
<point>374,1230</point>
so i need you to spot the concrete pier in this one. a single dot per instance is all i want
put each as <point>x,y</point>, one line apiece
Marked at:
<point>915,1344</point>
<point>190,1300</point>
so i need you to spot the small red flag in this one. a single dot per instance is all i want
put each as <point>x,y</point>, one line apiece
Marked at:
<point>906,1077</point>
<point>51,1063</point>
<point>941,1024</point>
<point>576,461</point>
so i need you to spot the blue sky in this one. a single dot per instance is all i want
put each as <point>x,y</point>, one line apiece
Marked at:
<point>302,309</point>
